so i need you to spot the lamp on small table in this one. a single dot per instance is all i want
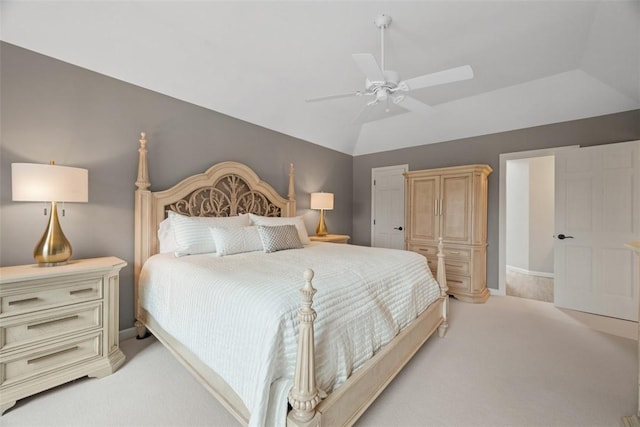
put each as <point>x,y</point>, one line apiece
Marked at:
<point>31,182</point>
<point>321,201</point>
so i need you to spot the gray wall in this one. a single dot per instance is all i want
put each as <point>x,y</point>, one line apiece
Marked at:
<point>485,149</point>
<point>55,111</point>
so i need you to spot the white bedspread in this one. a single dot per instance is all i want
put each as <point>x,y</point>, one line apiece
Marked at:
<point>238,313</point>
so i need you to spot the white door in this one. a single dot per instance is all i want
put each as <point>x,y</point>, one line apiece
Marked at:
<point>387,207</point>
<point>597,212</point>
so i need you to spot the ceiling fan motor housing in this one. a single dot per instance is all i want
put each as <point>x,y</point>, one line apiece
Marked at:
<point>391,79</point>
<point>383,89</point>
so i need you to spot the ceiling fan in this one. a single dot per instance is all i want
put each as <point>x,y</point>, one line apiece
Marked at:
<point>385,86</point>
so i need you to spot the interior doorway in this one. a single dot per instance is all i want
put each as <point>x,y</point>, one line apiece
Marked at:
<point>526,231</point>
<point>530,191</point>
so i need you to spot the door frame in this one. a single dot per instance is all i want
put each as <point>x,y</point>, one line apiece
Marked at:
<point>373,195</point>
<point>502,228</point>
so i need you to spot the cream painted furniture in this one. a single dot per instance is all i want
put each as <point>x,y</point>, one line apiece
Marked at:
<point>332,238</point>
<point>634,420</point>
<point>242,191</point>
<point>57,324</point>
<point>451,203</point>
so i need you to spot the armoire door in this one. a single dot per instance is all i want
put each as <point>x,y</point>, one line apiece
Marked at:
<point>424,209</point>
<point>454,208</point>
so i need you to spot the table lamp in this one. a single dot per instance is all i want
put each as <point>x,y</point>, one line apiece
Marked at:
<point>322,201</point>
<point>31,182</point>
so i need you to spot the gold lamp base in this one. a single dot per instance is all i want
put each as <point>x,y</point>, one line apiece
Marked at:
<point>53,248</point>
<point>321,230</point>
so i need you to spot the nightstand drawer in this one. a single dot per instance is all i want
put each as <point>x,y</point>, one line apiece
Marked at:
<point>23,365</point>
<point>331,238</point>
<point>39,327</point>
<point>52,295</point>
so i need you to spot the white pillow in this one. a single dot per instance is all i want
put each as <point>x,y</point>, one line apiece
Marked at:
<point>192,232</point>
<point>279,237</point>
<point>284,220</point>
<point>166,237</point>
<point>236,240</point>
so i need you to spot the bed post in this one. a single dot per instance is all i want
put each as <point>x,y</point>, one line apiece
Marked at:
<point>304,395</point>
<point>442,281</point>
<point>292,191</point>
<point>142,239</point>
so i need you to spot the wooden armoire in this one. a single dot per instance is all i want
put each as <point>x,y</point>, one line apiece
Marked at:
<point>451,203</point>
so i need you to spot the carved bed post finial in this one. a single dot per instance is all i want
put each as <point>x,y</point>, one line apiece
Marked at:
<point>442,281</point>
<point>304,395</point>
<point>143,172</point>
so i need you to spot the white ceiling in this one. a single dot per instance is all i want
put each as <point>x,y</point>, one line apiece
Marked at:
<point>535,62</point>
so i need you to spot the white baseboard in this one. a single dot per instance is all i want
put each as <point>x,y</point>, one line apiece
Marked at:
<point>126,334</point>
<point>496,292</point>
<point>529,272</point>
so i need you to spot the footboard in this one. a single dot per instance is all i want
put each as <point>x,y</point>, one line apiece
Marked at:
<point>348,403</point>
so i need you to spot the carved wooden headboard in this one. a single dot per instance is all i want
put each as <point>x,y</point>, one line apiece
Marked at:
<point>225,189</point>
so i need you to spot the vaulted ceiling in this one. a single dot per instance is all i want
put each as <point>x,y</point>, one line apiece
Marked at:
<point>535,62</point>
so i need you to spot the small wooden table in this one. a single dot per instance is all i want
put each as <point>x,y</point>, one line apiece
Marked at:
<point>332,238</point>
<point>634,420</point>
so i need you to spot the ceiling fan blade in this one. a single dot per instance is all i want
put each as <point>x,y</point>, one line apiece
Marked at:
<point>368,65</point>
<point>341,95</point>
<point>439,78</point>
<point>412,104</point>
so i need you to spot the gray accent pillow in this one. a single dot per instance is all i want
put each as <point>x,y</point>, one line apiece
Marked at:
<point>279,237</point>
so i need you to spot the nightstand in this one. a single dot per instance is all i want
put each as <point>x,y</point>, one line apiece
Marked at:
<point>57,324</point>
<point>332,238</point>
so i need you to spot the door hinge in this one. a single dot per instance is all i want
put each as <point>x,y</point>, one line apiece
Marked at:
<point>374,182</point>
<point>374,222</point>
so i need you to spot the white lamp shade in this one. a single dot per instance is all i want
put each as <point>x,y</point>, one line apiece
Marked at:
<point>321,200</point>
<point>32,182</point>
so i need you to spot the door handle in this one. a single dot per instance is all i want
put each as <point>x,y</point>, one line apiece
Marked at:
<point>398,228</point>
<point>562,236</point>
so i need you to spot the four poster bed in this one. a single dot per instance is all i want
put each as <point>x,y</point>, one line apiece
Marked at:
<point>234,317</point>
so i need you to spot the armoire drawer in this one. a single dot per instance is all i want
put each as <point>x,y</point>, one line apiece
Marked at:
<point>458,283</point>
<point>433,265</point>
<point>424,250</point>
<point>457,253</point>
<point>45,325</point>
<point>458,267</point>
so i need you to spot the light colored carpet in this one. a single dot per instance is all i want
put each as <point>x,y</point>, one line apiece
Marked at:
<point>509,362</point>
<point>529,286</point>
